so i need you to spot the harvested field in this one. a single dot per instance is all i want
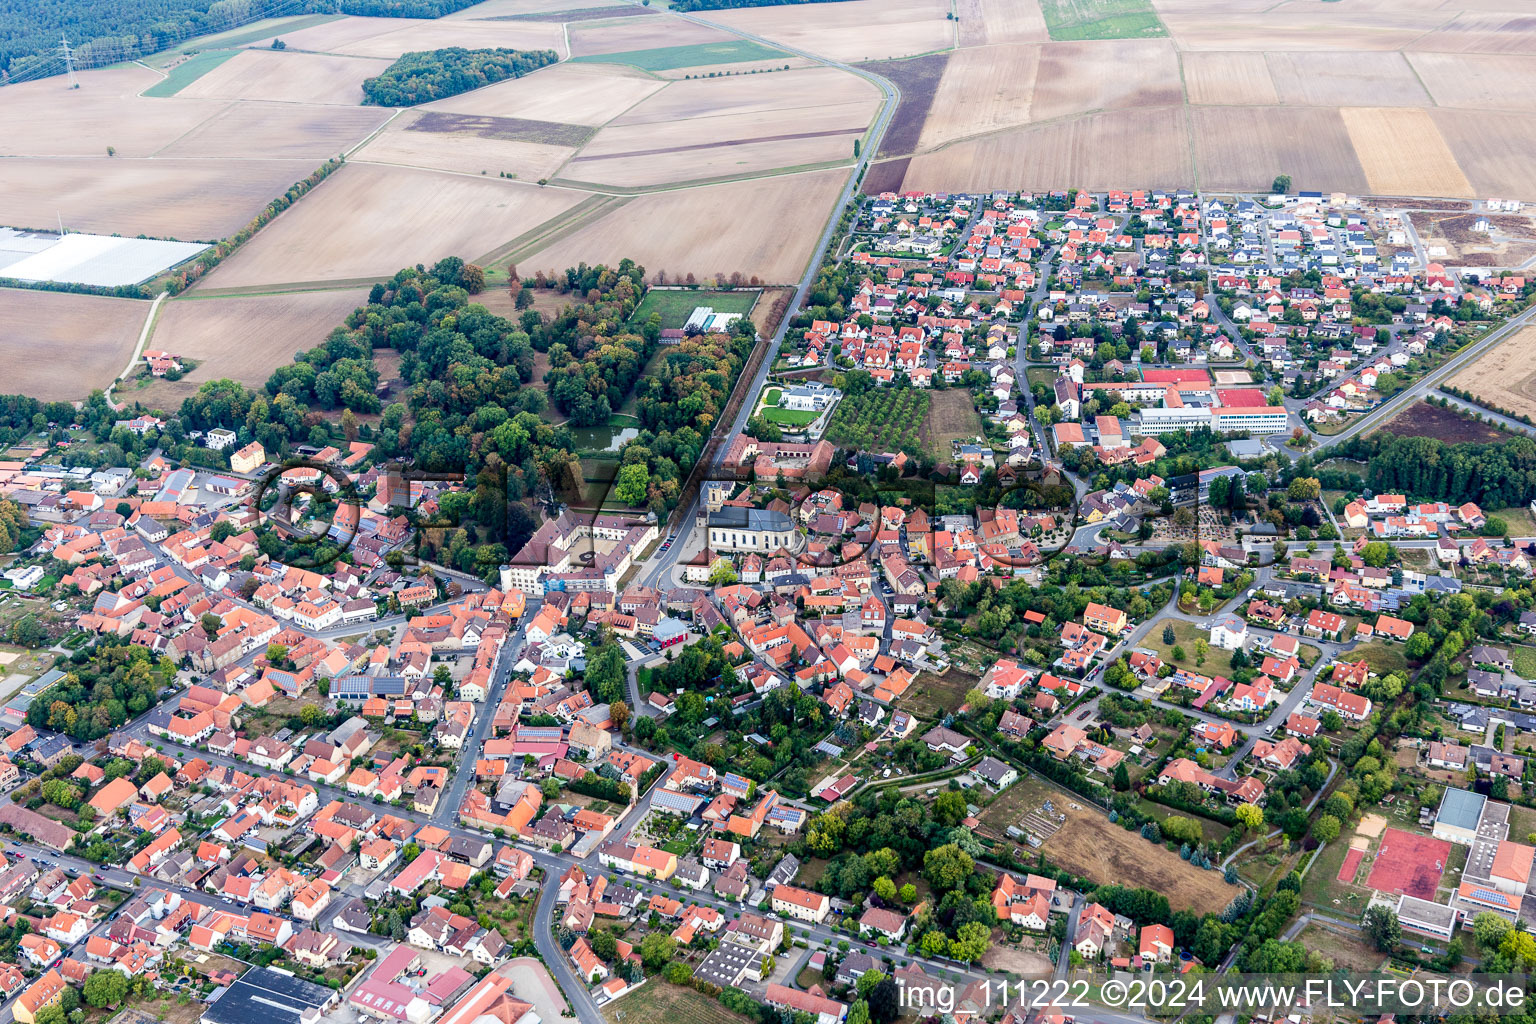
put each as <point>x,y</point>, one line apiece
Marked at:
<point>580,14</point>
<point>1294,24</point>
<point>918,79</point>
<point>42,119</point>
<point>466,153</point>
<point>368,220</point>
<point>1093,152</point>
<point>1511,30</point>
<point>589,94</point>
<point>1496,150</point>
<point>493,9</point>
<point>245,338</point>
<point>765,227</point>
<point>334,35</point>
<point>1236,79</point>
<point>189,200</point>
<point>505,129</point>
<point>1481,81</point>
<point>272,131</point>
<point>951,416</point>
<point>716,97</point>
<point>766,313</point>
<point>1243,148</point>
<point>623,34</point>
<point>983,89</point>
<point>737,65</point>
<point>673,58</point>
<point>852,30</point>
<point>988,22</point>
<point>1101,19</point>
<point>288,76</point>
<point>423,34</point>
<point>690,150</point>
<point>59,347</point>
<point>1424,420</point>
<point>1077,77</point>
<point>1409,863</point>
<point>1403,152</point>
<point>1506,376</point>
<point>1342,78</point>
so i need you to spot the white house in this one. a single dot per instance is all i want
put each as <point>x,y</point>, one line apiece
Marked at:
<point>1229,632</point>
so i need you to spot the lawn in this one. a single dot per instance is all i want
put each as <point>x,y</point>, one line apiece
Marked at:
<point>675,306</point>
<point>189,71</point>
<point>665,58</point>
<point>790,417</point>
<point>1184,635</point>
<point>1101,19</point>
<point>1524,659</point>
<point>1518,519</point>
<point>1384,656</point>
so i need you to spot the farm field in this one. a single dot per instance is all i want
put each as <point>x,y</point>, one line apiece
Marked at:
<point>988,22</point>
<point>1310,144</point>
<point>87,340</point>
<point>736,95</point>
<point>466,152</point>
<point>287,76</point>
<point>245,337</point>
<point>368,220</point>
<point>668,58</point>
<point>918,78</point>
<point>852,30</point>
<point>951,416</point>
<point>1480,81</point>
<point>1403,152</point>
<point>1078,77</point>
<point>1238,78</point>
<point>1346,79</point>
<point>1506,375</point>
<point>1101,19</point>
<point>1264,25</point>
<point>187,200</point>
<point>1094,151</point>
<point>764,228</point>
<point>269,131</point>
<point>493,9</point>
<point>40,119</point>
<point>655,29</point>
<point>705,147</point>
<point>675,305</point>
<point>188,71</point>
<point>571,93</point>
<point>1424,420</point>
<point>425,34</point>
<point>982,89</point>
<point>1495,150</point>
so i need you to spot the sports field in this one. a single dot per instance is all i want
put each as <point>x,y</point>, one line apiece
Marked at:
<point>1409,863</point>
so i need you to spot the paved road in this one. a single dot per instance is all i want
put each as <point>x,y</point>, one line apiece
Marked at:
<point>1424,386</point>
<point>658,573</point>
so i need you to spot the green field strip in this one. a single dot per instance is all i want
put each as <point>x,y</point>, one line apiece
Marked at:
<point>188,71</point>
<point>536,238</point>
<point>668,58</point>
